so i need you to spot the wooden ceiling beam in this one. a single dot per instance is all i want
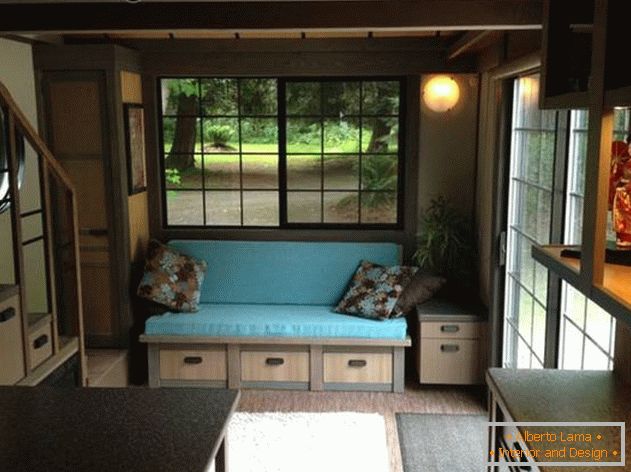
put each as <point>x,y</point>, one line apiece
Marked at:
<point>299,16</point>
<point>468,41</point>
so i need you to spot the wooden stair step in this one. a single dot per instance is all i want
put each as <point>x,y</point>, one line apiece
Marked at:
<point>107,367</point>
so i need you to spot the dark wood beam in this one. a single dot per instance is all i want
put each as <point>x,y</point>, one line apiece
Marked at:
<point>467,41</point>
<point>272,15</point>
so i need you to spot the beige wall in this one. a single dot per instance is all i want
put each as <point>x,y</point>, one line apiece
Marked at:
<point>17,75</point>
<point>447,149</point>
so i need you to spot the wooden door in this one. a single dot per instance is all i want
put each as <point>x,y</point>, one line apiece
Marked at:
<point>77,131</point>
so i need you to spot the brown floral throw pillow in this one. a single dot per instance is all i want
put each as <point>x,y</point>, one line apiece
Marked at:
<point>171,278</point>
<point>374,290</point>
<point>420,289</point>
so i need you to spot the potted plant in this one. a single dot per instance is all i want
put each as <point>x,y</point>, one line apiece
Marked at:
<point>446,247</point>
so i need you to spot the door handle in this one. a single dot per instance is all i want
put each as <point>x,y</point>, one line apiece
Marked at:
<point>357,363</point>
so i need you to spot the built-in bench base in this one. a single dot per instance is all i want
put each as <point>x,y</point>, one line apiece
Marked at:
<point>281,363</point>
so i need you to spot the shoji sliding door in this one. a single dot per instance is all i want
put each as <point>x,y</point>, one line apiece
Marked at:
<point>531,181</point>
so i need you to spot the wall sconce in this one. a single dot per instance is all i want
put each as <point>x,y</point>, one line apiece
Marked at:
<point>441,93</point>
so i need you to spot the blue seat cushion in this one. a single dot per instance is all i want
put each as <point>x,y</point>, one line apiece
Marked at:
<point>309,321</point>
<point>282,272</point>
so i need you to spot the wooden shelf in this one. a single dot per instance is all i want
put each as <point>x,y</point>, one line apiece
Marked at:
<point>615,293</point>
<point>565,267</point>
<point>37,320</point>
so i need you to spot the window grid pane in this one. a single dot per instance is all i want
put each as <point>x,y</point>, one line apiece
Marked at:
<point>220,140</point>
<point>358,170</point>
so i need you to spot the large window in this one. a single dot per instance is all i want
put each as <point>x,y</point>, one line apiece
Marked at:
<point>529,215</point>
<point>282,152</point>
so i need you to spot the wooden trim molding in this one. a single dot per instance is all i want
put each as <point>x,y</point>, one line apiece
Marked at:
<point>274,15</point>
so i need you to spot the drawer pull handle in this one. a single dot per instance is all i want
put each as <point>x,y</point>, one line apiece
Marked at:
<point>93,231</point>
<point>450,328</point>
<point>274,361</point>
<point>449,347</point>
<point>357,363</point>
<point>193,360</point>
<point>7,314</point>
<point>41,341</point>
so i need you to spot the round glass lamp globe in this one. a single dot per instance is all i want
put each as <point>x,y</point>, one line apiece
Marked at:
<point>441,93</point>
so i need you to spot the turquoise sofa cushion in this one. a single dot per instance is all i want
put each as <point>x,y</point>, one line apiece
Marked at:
<point>308,321</point>
<point>280,272</point>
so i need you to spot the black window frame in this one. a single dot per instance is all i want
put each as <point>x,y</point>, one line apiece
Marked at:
<point>283,224</point>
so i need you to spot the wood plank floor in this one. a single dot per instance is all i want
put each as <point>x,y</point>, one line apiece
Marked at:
<point>415,399</point>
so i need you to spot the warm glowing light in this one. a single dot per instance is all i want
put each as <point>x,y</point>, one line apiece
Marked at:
<point>441,93</point>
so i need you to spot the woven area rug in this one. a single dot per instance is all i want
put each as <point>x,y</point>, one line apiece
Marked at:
<point>307,442</point>
<point>455,443</point>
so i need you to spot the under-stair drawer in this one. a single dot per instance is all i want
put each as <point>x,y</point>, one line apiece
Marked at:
<point>358,367</point>
<point>274,366</point>
<point>11,343</point>
<point>40,344</point>
<point>197,364</point>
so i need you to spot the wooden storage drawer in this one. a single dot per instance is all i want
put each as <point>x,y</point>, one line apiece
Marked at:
<point>448,329</point>
<point>11,342</point>
<point>358,367</point>
<point>450,361</point>
<point>40,344</point>
<point>274,366</point>
<point>199,364</point>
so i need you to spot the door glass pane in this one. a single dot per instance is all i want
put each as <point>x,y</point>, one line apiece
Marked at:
<point>529,215</point>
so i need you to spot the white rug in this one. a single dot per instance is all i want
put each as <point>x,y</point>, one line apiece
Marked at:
<point>307,442</point>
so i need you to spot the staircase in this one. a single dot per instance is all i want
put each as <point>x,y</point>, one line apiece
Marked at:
<point>53,333</point>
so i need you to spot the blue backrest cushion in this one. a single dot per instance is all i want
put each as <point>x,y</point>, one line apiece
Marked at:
<point>281,272</point>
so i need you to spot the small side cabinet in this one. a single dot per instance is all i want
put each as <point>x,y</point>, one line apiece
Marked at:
<point>451,347</point>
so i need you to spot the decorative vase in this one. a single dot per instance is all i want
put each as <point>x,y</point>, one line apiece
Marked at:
<point>622,215</point>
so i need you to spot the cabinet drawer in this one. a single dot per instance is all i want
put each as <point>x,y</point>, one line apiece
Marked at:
<point>446,329</point>
<point>40,344</point>
<point>450,361</point>
<point>11,343</point>
<point>275,366</point>
<point>199,364</point>
<point>357,367</point>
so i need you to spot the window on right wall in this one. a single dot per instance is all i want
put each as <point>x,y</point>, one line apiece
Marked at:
<point>587,332</point>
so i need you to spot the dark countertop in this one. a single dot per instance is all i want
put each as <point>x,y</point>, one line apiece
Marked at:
<point>110,430</point>
<point>549,395</point>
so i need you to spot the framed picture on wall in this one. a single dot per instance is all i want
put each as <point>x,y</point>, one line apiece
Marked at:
<point>135,139</point>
